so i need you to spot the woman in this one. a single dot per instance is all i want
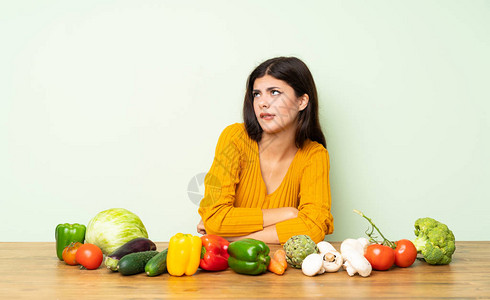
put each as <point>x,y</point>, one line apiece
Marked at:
<point>269,178</point>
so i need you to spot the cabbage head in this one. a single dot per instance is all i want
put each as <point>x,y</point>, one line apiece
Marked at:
<point>114,227</point>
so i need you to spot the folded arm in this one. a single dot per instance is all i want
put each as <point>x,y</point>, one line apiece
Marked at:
<point>270,218</point>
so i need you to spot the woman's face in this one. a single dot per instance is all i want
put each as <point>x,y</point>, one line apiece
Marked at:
<point>275,104</point>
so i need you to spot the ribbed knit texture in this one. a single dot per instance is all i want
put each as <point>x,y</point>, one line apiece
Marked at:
<point>235,192</point>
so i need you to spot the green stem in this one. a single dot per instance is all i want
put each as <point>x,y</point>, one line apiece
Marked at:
<point>386,242</point>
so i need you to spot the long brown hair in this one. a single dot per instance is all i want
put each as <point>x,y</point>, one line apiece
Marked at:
<point>295,73</point>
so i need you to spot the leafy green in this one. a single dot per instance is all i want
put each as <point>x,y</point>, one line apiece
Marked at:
<point>114,227</point>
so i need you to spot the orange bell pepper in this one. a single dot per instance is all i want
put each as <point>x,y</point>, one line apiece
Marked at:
<point>184,254</point>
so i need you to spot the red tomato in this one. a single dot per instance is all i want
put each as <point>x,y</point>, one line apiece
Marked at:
<point>405,253</point>
<point>89,256</point>
<point>69,253</point>
<point>380,257</point>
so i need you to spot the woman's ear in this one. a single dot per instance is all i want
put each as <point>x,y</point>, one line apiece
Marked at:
<point>303,102</point>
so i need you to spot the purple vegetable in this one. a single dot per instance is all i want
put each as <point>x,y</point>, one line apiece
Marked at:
<point>136,245</point>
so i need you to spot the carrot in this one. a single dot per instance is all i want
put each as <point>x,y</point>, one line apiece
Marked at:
<point>278,264</point>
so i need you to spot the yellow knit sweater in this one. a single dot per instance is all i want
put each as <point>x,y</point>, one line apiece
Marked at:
<point>235,192</point>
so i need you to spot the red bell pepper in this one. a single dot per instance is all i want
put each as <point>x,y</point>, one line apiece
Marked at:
<point>214,253</point>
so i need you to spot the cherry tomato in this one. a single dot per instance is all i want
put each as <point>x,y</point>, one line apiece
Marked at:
<point>90,256</point>
<point>69,253</point>
<point>380,257</point>
<point>405,253</point>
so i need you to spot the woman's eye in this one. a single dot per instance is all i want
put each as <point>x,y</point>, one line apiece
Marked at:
<point>255,94</point>
<point>276,92</point>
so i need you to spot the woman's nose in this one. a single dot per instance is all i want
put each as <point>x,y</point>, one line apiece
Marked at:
<point>264,102</point>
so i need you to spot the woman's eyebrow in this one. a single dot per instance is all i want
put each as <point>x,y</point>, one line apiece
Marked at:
<point>268,89</point>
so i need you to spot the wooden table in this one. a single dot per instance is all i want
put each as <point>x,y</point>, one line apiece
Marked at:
<point>32,270</point>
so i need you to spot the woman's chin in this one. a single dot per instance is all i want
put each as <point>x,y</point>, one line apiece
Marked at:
<point>270,128</point>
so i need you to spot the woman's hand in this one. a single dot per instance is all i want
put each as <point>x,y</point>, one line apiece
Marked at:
<point>200,228</point>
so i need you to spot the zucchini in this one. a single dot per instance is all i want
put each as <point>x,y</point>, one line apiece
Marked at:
<point>157,264</point>
<point>134,263</point>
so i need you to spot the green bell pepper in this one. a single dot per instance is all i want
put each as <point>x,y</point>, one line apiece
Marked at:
<point>249,256</point>
<point>66,234</point>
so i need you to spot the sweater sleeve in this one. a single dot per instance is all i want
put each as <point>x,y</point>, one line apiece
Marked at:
<point>217,209</point>
<point>314,217</point>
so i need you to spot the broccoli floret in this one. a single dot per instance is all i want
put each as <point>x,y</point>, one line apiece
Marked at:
<point>434,241</point>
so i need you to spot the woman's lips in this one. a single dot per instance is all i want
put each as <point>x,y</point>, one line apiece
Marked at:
<point>266,116</point>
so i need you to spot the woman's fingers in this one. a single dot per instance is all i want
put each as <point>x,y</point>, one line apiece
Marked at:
<point>200,227</point>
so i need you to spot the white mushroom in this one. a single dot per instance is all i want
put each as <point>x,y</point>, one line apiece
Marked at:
<point>364,243</point>
<point>325,247</point>
<point>313,265</point>
<point>332,260</point>
<point>353,253</point>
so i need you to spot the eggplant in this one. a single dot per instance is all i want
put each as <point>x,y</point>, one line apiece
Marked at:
<point>133,246</point>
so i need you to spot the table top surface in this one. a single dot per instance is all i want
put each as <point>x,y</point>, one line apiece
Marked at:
<point>32,270</point>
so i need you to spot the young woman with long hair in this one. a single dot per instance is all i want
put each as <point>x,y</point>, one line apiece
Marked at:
<point>270,176</point>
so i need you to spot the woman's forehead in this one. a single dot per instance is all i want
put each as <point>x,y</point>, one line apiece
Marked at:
<point>268,81</point>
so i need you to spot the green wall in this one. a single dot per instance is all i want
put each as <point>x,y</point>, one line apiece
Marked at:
<point>120,104</point>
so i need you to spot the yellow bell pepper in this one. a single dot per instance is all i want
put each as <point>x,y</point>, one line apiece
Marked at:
<point>184,254</point>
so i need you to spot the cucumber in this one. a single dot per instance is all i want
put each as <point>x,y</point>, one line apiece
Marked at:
<point>157,264</point>
<point>135,245</point>
<point>134,263</point>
